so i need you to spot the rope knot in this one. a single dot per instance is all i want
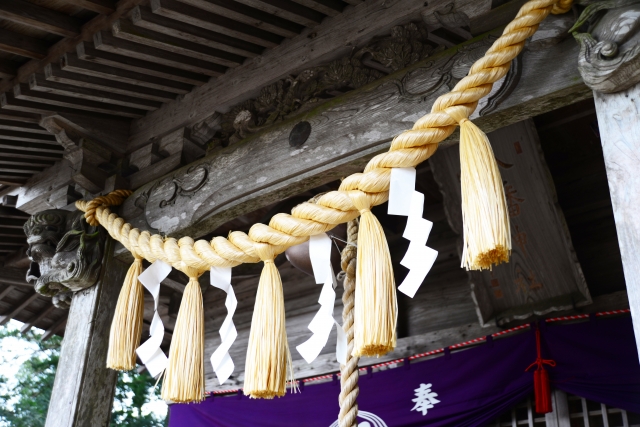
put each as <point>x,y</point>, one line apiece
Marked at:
<point>363,211</point>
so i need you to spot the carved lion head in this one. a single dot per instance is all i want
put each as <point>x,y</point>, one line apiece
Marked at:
<point>65,253</point>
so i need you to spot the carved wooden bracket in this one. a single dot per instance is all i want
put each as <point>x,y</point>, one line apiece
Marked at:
<point>609,58</point>
<point>65,254</point>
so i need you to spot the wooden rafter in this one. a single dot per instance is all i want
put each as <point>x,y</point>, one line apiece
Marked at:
<point>40,17</point>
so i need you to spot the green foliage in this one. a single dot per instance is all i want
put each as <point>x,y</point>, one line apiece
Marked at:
<point>25,400</point>
<point>132,391</point>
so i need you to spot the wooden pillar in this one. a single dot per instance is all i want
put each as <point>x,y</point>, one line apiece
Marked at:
<point>83,389</point>
<point>609,64</point>
<point>619,123</point>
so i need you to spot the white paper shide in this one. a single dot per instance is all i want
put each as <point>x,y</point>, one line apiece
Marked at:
<point>323,321</point>
<point>150,352</point>
<point>405,201</point>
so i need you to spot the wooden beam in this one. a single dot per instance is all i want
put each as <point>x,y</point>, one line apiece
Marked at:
<point>65,45</point>
<point>13,223</point>
<point>16,153</point>
<point>54,328</point>
<point>72,63</point>
<point>143,17</point>
<point>98,6</point>
<point>15,125</point>
<point>19,116</point>
<point>39,17</point>
<point>27,136</point>
<point>39,83</point>
<point>332,39</point>
<point>328,7</point>
<point>123,29</point>
<point>54,73</point>
<point>106,42</point>
<point>12,212</point>
<point>88,52</point>
<point>234,11</point>
<point>618,129</point>
<point>345,133</point>
<point>83,390</point>
<point>201,18</point>
<point>22,45</point>
<point>24,93</point>
<point>6,291</point>
<point>31,147</point>
<point>22,169</point>
<point>289,10</point>
<point>6,317</point>
<point>10,232</point>
<point>37,318</point>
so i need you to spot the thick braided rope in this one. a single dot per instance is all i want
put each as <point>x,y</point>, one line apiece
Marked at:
<point>358,192</point>
<point>349,374</point>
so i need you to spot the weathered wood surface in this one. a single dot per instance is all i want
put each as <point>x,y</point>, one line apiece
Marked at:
<point>335,37</point>
<point>620,134</point>
<point>543,274</point>
<point>346,132</point>
<point>83,389</point>
<point>67,44</point>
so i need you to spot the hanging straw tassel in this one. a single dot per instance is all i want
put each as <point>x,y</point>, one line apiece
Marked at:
<point>375,302</point>
<point>184,377</point>
<point>487,233</point>
<point>268,351</point>
<point>126,327</point>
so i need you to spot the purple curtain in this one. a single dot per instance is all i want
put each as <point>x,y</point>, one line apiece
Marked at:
<point>595,359</point>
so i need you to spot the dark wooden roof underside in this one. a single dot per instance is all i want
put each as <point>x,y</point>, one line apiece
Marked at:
<point>117,60</point>
<point>123,59</point>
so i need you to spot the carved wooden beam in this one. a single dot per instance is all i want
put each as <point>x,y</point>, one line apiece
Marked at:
<point>345,133</point>
<point>334,37</point>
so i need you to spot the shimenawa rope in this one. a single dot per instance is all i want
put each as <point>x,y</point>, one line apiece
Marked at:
<point>356,195</point>
<point>349,374</point>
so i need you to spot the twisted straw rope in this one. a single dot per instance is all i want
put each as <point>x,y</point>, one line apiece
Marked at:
<point>357,193</point>
<point>349,373</point>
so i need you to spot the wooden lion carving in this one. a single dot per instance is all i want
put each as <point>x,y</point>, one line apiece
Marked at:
<point>65,253</point>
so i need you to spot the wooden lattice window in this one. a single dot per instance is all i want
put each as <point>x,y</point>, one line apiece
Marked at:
<point>568,411</point>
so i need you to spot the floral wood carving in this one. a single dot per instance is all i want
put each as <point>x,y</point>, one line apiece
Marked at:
<point>406,45</point>
<point>609,48</point>
<point>65,254</point>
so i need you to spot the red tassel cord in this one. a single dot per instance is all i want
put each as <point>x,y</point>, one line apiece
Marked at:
<point>541,380</point>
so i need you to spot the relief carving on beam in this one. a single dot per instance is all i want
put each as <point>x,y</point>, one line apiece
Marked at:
<point>65,254</point>
<point>609,58</point>
<point>406,45</point>
<point>163,203</point>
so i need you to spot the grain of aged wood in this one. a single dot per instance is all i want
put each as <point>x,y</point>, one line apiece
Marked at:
<point>334,38</point>
<point>620,135</point>
<point>345,133</point>
<point>83,389</point>
<point>98,23</point>
<point>543,274</point>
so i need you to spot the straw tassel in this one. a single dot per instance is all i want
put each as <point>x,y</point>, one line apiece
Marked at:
<point>126,327</point>
<point>268,351</point>
<point>487,233</point>
<point>375,300</point>
<point>184,377</point>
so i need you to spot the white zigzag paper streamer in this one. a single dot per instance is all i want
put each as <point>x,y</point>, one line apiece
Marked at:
<point>405,201</point>
<point>221,361</point>
<point>323,321</point>
<point>150,352</point>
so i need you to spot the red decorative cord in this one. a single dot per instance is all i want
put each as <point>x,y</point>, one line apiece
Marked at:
<point>541,383</point>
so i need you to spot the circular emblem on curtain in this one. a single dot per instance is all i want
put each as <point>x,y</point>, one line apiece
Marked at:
<point>367,419</point>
